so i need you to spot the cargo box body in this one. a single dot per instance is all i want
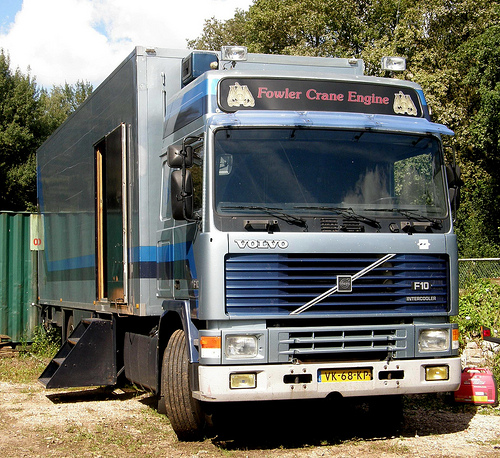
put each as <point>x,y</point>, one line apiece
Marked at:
<point>98,185</point>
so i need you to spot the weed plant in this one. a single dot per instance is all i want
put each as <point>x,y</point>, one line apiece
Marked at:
<point>46,342</point>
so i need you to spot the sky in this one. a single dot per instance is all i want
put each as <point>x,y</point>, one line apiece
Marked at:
<point>60,41</point>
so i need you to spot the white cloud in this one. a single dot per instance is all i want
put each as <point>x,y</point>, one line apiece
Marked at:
<point>67,40</point>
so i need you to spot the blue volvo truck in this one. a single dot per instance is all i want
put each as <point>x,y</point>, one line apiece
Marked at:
<point>226,227</point>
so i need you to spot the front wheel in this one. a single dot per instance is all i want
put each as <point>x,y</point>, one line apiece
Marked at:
<point>184,412</point>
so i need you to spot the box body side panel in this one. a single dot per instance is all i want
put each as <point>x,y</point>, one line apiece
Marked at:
<point>67,188</point>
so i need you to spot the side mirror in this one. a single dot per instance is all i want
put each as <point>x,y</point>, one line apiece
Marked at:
<point>178,157</point>
<point>454,183</point>
<point>453,175</point>
<point>182,195</point>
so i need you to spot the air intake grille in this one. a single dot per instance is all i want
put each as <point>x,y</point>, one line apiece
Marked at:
<point>277,284</point>
<point>346,225</point>
<point>361,342</point>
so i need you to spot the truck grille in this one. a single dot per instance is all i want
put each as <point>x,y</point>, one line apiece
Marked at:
<point>277,284</point>
<point>342,343</point>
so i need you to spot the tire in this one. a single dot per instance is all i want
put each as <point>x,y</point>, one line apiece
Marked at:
<point>184,412</point>
<point>70,327</point>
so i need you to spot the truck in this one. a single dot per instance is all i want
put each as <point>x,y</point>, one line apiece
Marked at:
<point>227,227</point>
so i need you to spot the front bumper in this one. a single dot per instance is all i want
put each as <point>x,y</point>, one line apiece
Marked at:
<point>301,381</point>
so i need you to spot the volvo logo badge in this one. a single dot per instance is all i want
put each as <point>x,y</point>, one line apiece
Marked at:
<point>344,283</point>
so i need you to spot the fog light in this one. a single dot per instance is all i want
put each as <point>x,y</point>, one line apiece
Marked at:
<point>431,340</point>
<point>433,373</point>
<point>241,346</point>
<point>241,381</point>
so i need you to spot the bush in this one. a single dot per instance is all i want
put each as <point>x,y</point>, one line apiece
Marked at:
<point>479,305</point>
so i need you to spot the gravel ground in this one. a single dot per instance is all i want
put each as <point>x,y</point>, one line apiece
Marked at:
<point>124,423</point>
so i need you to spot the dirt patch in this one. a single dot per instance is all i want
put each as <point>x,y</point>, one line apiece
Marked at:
<point>124,423</point>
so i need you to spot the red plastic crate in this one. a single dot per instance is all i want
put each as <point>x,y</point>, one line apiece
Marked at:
<point>478,387</point>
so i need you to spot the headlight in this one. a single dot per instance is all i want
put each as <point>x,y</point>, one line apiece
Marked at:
<point>241,347</point>
<point>431,340</point>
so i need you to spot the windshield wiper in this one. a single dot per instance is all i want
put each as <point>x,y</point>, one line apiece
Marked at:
<point>273,211</point>
<point>347,213</point>
<point>416,219</point>
<point>423,220</point>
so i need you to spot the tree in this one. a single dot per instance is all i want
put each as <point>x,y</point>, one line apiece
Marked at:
<point>452,51</point>
<point>20,131</point>
<point>61,102</point>
<point>27,117</point>
<point>221,33</point>
<point>305,27</point>
<point>478,63</point>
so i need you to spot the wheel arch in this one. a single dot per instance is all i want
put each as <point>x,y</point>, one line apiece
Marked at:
<point>176,316</point>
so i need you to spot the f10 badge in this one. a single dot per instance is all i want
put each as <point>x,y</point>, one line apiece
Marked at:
<point>421,286</point>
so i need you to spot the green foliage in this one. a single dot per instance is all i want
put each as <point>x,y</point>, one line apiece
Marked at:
<point>305,27</point>
<point>19,136</point>
<point>478,217</point>
<point>45,343</point>
<point>479,306</point>
<point>478,90</point>
<point>221,33</point>
<point>61,102</point>
<point>27,117</point>
<point>27,365</point>
<point>452,49</point>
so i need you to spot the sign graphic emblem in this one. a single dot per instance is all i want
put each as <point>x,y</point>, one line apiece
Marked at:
<point>403,104</point>
<point>240,96</point>
<point>423,244</point>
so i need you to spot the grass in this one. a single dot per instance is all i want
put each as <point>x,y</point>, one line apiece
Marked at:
<point>26,365</point>
<point>20,368</point>
<point>130,437</point>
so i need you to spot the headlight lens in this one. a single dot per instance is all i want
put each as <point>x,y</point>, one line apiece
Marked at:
<point>241,347</point>
<point>431,340</point>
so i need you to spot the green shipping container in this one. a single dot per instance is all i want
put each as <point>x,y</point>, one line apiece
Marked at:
<point>18,278</point>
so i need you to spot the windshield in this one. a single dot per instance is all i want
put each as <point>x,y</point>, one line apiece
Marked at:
<point>306,171</point>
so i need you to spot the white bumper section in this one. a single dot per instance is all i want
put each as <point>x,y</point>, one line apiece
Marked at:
<point>214,381</point>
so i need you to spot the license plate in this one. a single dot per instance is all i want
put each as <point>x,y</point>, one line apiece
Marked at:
<point>345,375</point>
